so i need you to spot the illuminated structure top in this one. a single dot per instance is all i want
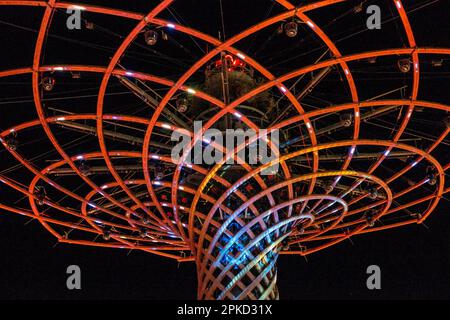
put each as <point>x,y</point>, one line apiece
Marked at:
<point>347,165</point>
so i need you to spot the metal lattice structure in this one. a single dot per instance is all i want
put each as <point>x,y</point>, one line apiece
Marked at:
<point>233,223</point>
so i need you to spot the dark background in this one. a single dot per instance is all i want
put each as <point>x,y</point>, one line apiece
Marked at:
<point>414,260</point>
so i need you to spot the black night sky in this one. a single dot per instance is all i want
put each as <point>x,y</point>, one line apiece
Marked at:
<point>414,260</point>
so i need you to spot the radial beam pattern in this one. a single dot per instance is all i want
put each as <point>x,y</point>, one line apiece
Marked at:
<point>351,160</point>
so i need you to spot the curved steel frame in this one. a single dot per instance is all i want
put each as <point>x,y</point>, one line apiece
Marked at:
<point>168,235</point>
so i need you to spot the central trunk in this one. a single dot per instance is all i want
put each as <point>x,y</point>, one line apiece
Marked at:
<point>241,265</point>
<point>251,280</point>
<point>236,254</point>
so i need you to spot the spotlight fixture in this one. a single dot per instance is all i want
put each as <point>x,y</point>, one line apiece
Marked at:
<point>48,83</point>
<point>447,122</point>
<point>12,142</point>
<point>346,119</point>
<point>89,25</point>
<point>291,29</point>
<point>328,186</point>
<point>76,75</point>
<point>159,173</point>
<point>106,235</point>
<point>370,217</point>
<point>147,233</point>
<point>404,65</point>
<point>372,60</point>
<point>84,168</point>
<point>40,194</point>
<point>151,37</point>
<point>437,63</point>
<point>280,28</point>
<point>432,180</point>
<point>358,8</point>
<point>285,245</point>
<point>164,36</point>
<point>182,104</point>
<point>431,176</point>
<point>373,193</point>
<point>143,233</point>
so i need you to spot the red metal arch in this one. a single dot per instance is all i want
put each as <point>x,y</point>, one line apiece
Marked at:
<point>190,238</point>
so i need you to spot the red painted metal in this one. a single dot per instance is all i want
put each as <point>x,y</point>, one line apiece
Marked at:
<point>186,232</point>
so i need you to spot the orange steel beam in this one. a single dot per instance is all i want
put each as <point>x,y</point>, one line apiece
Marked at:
<point>202,241</point>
